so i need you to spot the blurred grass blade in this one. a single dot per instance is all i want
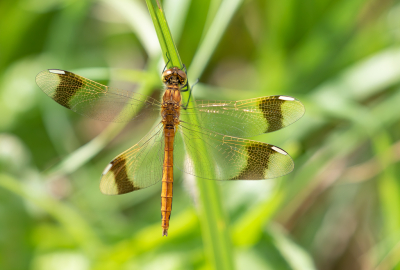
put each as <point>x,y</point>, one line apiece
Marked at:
<point>212,11</point>
<point>210,42</point>
<point>176,16</point>
<point>295,256</point>
<point>249,228</point>
<point>59,45</point>
<point>137,18</point>
<point>147,240</point>
<point>75,224</point>
<point>168,48</point>
<point>388,184</point>
<point>69,20</point>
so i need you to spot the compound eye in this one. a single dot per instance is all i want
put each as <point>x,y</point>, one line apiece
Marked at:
<point>166,74</point>
<point>182,76</point>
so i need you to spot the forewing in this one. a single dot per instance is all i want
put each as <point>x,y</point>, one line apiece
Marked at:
<point>93,99</point>
<point>216,156</point>
<point>246,118</point>
<point>138,167</point>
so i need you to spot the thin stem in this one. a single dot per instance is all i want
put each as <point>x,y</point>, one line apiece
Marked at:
<point>168,48</point>
<point>216,238</point>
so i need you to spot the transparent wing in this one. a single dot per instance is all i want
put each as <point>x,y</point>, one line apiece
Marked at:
<point>93,99</point>
<point>246,118</point>
<point>138,167</point>
<point>216,156</point>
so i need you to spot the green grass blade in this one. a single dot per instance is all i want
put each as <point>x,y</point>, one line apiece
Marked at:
<point>213,36</point>
<point>216,237</point>
<point>168,48</point>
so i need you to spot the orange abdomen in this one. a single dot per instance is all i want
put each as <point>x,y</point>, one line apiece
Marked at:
<point>167,179</point>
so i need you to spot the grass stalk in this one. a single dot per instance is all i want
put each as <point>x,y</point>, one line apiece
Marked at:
<point>216,237</point>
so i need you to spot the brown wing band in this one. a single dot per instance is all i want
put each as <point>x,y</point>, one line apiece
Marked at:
<point>65,91</point>
<point>124,185</point>
<point>272,113</point>
<point>257,163</point>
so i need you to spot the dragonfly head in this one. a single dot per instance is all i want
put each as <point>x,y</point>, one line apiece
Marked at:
<point>174,76</point>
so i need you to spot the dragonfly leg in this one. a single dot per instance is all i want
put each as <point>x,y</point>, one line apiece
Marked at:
<point>186,88</point>
<point>184,68</point>
<point>169,59</point>
<point>190,93</point>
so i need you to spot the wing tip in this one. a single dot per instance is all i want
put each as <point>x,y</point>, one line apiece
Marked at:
<point>104,180</point>
<point>103,187</point>
<point>111,183</point>
<point>107,168</point>
<point>279,150</point>
<point>286,98</point>
<point>57,71</point>
<point>47,71</point>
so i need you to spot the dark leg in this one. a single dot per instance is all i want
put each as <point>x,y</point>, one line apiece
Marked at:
<point>167,62</point>
<point>190,93</point>
<point>184,68</point>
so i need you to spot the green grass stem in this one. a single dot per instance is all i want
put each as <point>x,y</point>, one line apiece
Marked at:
<point>215,234</point>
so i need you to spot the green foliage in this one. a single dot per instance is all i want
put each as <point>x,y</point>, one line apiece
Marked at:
<point>339,209</point>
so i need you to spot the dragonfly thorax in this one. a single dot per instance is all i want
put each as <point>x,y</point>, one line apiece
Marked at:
<point>170,109</point>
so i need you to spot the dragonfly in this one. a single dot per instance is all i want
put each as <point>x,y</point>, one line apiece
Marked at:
<point>210,147</point>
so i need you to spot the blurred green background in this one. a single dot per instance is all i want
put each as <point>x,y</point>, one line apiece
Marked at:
<point>339,208</point>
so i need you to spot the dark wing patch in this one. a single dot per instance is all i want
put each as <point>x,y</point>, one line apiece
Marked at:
<point>66,88</point>
<point>257,162</point>
<point>272,112</point>
<point>122,181</point>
